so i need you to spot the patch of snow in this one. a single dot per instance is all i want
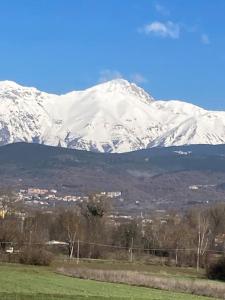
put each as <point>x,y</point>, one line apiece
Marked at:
<point>183,152</point>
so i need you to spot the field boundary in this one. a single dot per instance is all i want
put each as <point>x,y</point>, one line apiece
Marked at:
<point>199,287</point>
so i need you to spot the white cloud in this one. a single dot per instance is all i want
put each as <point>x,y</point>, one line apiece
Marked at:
<point>167,29</point>
<point>162,9</point>
<point>138,78</point>
<point>107,74</point>
<point>205,39</point>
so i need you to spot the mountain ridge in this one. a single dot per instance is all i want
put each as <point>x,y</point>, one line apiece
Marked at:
<point>115,116</point>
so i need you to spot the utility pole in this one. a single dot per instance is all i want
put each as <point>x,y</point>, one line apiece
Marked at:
<point>30,237</point>
<point>199,242</point>
<point>22,224</point>
<point>131,249</point>
<point>176,256</point>
<point>78,252</point>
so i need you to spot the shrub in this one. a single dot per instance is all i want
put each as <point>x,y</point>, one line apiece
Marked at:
<point>216,270</point>
<point>34,256</point>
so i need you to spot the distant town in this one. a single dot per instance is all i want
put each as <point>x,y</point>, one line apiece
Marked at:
<point>51,197</point>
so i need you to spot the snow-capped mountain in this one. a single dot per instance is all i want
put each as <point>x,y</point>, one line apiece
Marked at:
<point>116,116</point>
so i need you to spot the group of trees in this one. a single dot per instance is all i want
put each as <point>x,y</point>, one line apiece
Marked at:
<point>87,231</point>
<point>22,226</point>
<point>189,238</point>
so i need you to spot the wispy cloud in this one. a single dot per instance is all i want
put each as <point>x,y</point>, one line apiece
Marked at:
<point>107,74</point>
<point>160,29</point>
<point>205,39</point>
<point>170,29</point>
<point>138,78</point>
<point>162,9</point>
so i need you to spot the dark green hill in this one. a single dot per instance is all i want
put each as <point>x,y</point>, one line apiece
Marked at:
<point>158,177</point>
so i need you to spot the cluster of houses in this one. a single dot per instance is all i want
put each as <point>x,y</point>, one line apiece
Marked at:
<point>51,197</point>
<point>201,186</point>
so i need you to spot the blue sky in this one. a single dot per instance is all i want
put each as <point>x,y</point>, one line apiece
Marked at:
<point>175,49</point>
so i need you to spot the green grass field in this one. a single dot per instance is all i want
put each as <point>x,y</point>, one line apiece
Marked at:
<point>19,282</point>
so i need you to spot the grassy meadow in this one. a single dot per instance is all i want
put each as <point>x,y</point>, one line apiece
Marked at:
<point>19,282</point>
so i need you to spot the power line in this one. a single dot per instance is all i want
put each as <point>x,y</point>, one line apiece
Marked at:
<point>113,246</point>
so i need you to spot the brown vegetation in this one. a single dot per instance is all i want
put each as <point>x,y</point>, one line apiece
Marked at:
<point>35,256</point>
<point>216,270</point>
<point>192,286</point>
<point>86,231</point>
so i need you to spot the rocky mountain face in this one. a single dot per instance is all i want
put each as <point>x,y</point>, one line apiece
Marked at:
<point>116,116</point>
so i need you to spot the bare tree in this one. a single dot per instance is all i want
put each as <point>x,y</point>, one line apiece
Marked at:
<point>94,212</point>
<point>204,233</point>
<point>70,222</point>
<point>8,200</point>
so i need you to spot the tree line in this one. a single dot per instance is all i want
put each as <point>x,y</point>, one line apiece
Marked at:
<point>192,238</point>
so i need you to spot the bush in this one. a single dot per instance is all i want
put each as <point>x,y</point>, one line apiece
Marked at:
<point>34,256</point>
<point>216,270</point>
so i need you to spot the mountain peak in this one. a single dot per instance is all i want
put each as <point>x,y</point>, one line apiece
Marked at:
<point>118,81</point>
<point>123,87</point>
<point>8,84</point>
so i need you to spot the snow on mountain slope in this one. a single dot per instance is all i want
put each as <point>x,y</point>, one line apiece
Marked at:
<point>116,116</point>
<point>22,114</point>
